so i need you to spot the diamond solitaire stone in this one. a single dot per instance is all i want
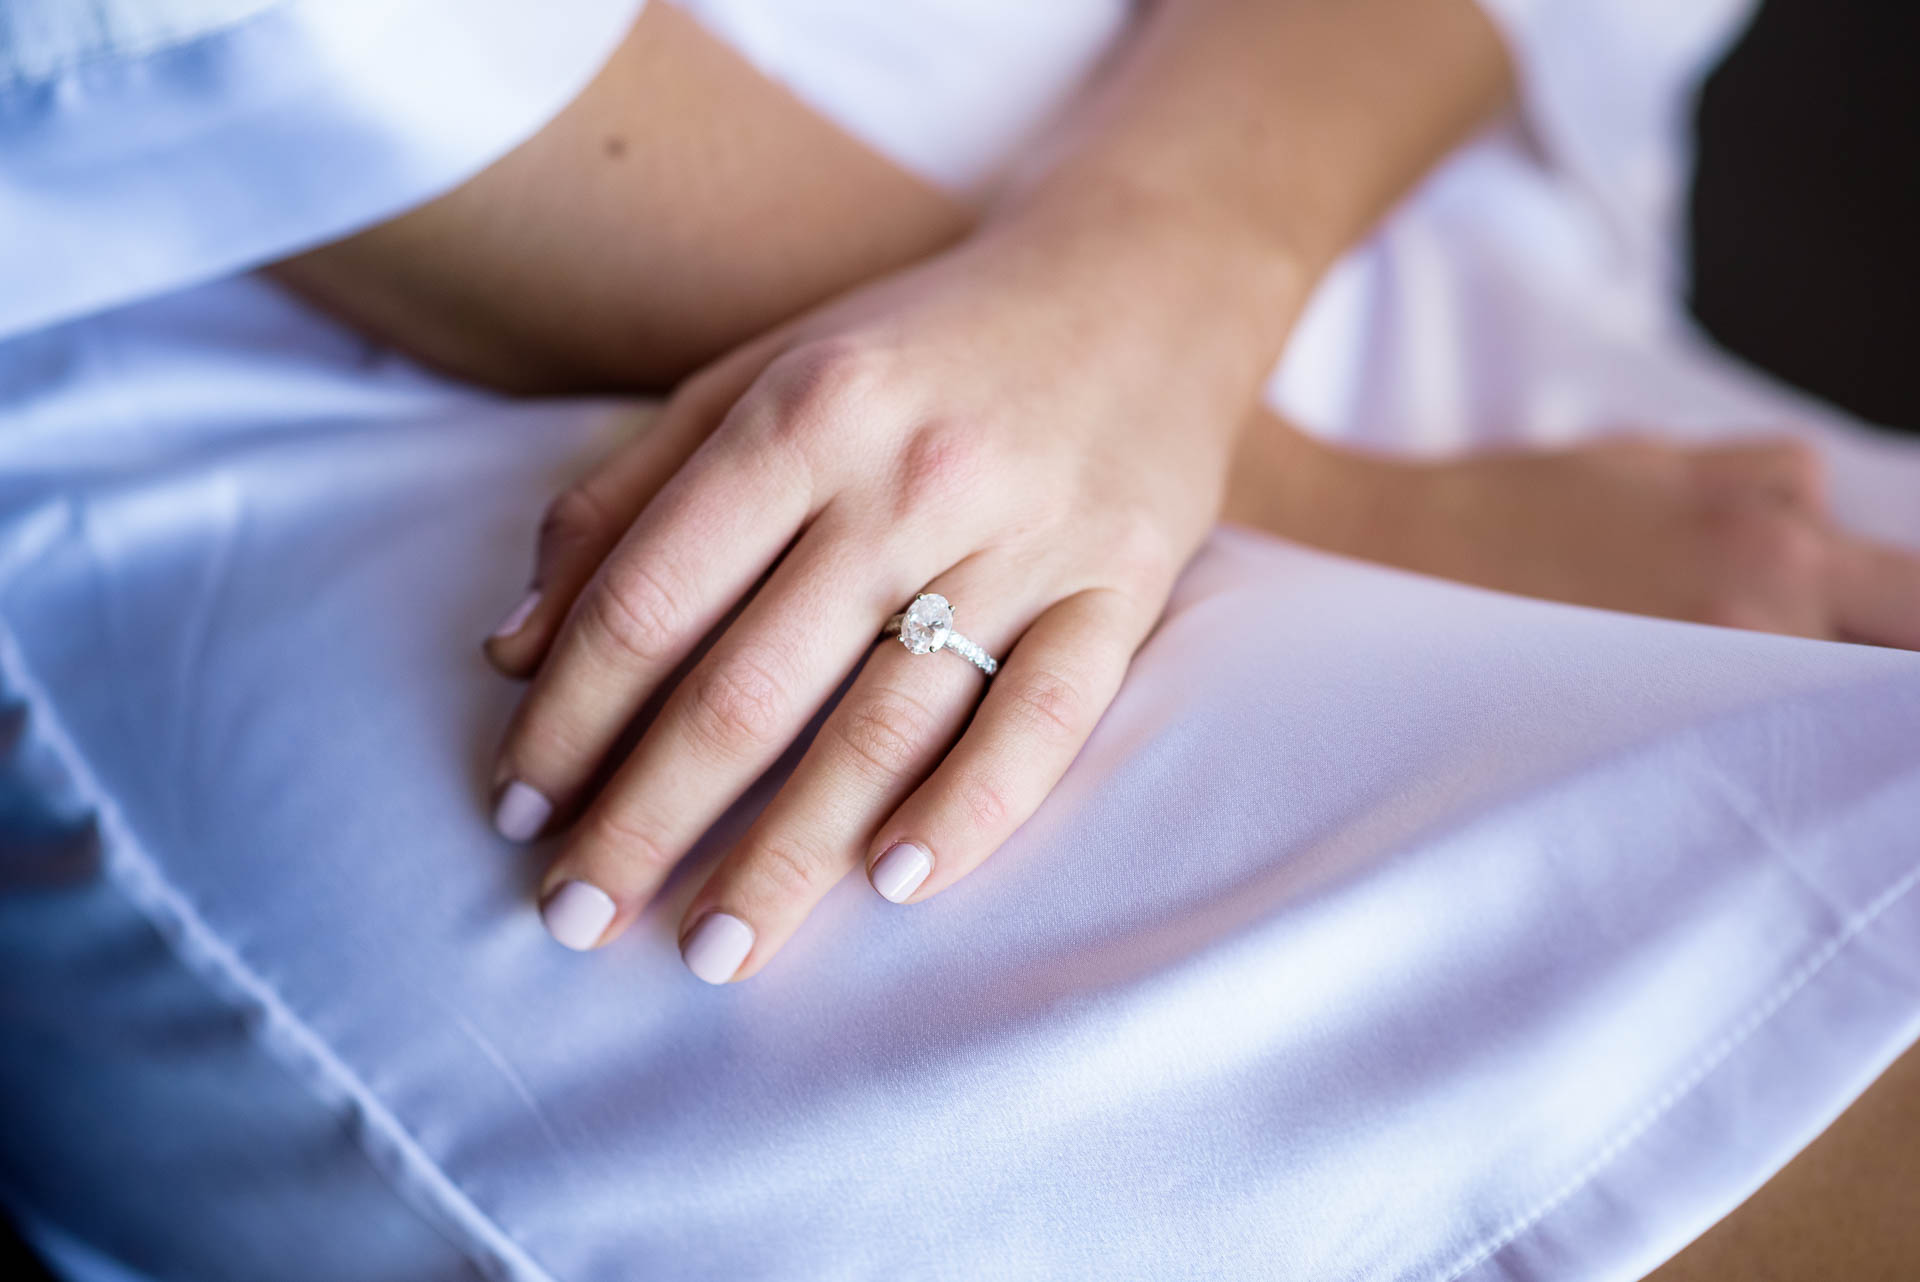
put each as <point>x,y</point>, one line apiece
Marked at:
<point>928,622</point>
<point>927,626</point>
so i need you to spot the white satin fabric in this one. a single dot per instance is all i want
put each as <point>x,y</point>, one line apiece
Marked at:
<point>1385,929</point>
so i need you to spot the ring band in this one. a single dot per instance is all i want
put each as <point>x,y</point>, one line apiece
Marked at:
<point>927,625</point>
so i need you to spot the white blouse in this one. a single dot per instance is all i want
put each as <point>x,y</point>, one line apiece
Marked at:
<point>145,148</point>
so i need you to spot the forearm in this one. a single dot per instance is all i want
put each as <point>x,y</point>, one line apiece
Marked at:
<point>684,204</point>
<point>681,205</point>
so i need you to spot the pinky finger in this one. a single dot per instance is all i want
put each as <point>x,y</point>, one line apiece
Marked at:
<point>1037,714</point>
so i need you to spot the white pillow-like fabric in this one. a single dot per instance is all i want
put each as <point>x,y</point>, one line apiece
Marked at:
<point>1385,929</point>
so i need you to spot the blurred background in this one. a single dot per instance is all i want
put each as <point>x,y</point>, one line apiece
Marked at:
<point>1806,204</point>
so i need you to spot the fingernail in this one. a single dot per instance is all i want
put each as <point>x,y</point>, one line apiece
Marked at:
<point>521,812</point>
<point>577,914</point>
<point>899,872</point>
<point>517,619</point>
<point>716,947</point>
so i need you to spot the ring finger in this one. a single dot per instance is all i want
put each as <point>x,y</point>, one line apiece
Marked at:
<point>887,734</point>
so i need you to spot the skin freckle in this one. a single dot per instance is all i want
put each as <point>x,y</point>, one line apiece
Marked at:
<point>615,147</point>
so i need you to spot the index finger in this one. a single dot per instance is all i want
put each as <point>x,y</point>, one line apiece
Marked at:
<point>703,542</point>
<point>586,520</point>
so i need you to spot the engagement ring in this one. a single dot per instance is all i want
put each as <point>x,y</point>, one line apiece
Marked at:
<point>927,625</point>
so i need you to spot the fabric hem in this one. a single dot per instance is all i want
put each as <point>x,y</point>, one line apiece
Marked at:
<point>1646,1127</point>
<point>413,1175</point>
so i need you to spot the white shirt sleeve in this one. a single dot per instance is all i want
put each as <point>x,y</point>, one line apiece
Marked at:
<point>139,155</point>
<point>1607,91</point>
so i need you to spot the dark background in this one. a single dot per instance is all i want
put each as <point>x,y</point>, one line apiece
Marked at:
<point>1806,205</point>
<point>1805,219</point>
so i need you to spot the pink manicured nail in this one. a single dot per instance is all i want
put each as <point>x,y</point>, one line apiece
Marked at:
<point>716,947</point>
<point>899,872</point>
<point>519,616</point>
<point>577,914</point>
<point>521,812</point>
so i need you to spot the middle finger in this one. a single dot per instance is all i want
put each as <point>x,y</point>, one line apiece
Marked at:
<point>725,723</point>
<point>902,714</point>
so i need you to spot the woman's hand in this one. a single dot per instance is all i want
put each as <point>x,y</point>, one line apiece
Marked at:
<point>1736,534</point>
<point>1035,425</point>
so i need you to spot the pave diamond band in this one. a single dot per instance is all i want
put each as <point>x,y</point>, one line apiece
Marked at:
<point>927,625</point>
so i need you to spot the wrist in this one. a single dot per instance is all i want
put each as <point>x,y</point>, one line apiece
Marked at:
<point>1295,485</point>
<point>1214,286</point>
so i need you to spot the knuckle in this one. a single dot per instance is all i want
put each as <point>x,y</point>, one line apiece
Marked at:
<point>1769,473</point>
<point>939,464</point>
<point>1143,552</point>
<point>1803,473</point>
<point>706,384</point>
<point>576,515</point>
<point>837,370</point>
<point>1766,569</point>
<point>883,736</point>
<point>982,800</point>
<point>735,706</point>
<point>1801,570</point>
<point>544,747</point>
<point>624,838</point>
<point>636,612</point>
<point>818,386</point>
<point>1800,551</point>
<point>794,871</point>
<point>1047,704</point>
<point>1770,542</point>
